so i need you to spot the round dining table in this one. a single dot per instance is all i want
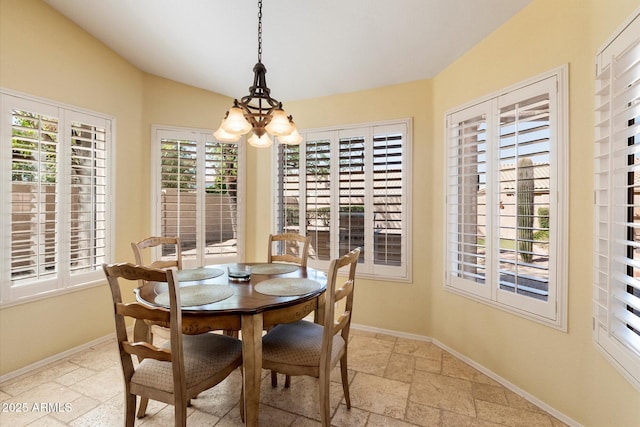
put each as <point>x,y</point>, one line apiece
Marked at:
<point>211,300</point>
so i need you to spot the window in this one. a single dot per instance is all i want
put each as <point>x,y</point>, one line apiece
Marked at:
<point>197,196</point>
<point>54,204</point>
<point>616,293</point>
<point>349,188</point>
<point>506,199</point>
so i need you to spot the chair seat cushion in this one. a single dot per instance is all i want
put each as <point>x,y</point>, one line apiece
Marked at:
<point>298,343</point>
<point>204,356</point>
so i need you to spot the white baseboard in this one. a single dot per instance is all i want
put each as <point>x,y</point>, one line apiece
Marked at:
<point>544,406</point>
<point>56,357</point>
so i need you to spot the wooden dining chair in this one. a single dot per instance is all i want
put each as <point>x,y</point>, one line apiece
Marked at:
<point>289,247</point>
<point>178,370</point>
<point>307,348</point>
<point>139,248</point>
<point>152,242</point>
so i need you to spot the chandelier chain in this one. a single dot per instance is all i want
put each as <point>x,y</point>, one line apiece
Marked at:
<point>259,30</point>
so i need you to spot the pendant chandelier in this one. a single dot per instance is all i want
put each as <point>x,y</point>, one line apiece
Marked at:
<point>258,112</point>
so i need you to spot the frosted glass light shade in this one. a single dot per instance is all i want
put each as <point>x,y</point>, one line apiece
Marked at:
<point>294,138</point>
<point>260,142</point>
<point>279,124</point>
<point>224,136</point>
<point>236,122</point>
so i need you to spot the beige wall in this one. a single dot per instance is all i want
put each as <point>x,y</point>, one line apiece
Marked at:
<point>43,54</point>
<point>562,369</point>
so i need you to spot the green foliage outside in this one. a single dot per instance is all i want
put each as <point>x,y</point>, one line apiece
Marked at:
<point>543,219</point>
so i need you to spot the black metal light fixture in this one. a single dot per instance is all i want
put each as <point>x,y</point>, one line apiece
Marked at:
<point>258,111</point>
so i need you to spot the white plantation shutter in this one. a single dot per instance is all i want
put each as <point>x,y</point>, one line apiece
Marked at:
<point>288,204</point>
<point>197,193</point>
<point>55,182</point>
<point>34,196</point>
<point>529,162</point>
<point>352,205</point>
<point>317,190</point>
<point>466,214</point>
<point>506,200</point>
<point>179,193</point>
<point>221,199</point>
<point>616,293</point>
<point>88,203</point>
<point>351,189</point>
<point>389,195</point>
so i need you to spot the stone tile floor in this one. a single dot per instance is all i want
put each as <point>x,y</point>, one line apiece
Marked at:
<point>393,382</point>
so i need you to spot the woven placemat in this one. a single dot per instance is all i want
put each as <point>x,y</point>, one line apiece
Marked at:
<point>200,273</point>
<point>197,295</point>
<point>287,286</point>
<point>273,268</point>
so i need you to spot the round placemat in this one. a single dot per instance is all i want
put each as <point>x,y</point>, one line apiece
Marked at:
<point>287,286</point>
<point>201,273</point>
<point>197,295</point>
<point>273,268</point>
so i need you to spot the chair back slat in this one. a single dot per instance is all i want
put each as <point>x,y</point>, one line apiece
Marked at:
<point>154,241</point>
<point>342,321</point>
<point>146,351</point>
<point>294,248</point>
<point>345,290</point>
<point>139,311</point>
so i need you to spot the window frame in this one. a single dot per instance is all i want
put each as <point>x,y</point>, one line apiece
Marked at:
<point>366,268</point>
<point>552,313</point>
<point>200,136</point>
<point>65,280</point>
<point>611,209</point>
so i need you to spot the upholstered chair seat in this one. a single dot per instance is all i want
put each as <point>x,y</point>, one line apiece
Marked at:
<point>299,344</point>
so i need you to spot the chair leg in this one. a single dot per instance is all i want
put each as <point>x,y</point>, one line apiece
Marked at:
<point>345,380</point>
<point>324,400</point>
<point>129,409</point>
<point>180,414</point>
<point>287,381</point>
<point>274,379</point>
<point>242,401</point>
<point>142,410</point>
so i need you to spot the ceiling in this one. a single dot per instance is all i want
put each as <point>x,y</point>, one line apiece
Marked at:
<point>310,48</point>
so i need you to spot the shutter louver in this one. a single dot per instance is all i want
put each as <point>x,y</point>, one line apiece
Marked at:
<point>602,210</point>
